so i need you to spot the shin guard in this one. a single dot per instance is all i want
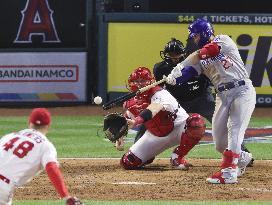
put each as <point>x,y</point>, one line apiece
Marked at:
<point>130,161</point>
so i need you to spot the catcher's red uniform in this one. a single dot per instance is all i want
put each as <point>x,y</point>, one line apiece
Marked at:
<point>163,130</point>
<point>161,124</point>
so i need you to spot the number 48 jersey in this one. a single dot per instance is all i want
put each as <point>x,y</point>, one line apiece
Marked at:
<point>23,154</point>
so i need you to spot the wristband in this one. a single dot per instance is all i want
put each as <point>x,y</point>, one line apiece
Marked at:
<point>146,114</point>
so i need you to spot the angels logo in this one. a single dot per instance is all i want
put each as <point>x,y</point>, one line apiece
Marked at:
<point>37,20</point>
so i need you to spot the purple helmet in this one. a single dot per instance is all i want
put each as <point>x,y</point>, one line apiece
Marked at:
<point>202,27</point>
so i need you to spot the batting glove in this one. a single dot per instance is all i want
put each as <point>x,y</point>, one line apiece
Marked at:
<point>175,73</point>
<point>171,80</point>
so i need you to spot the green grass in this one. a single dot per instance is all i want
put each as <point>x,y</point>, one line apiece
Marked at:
<point>82,136</point>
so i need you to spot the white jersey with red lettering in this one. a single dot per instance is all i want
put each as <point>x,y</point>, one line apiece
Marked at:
<point>23,154</point>
<point>236,96</point>
<point>169,103</point>
<point>149,145</point>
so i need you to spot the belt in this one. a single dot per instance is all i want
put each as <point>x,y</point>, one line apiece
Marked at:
<point>230,85</point>
<point>5,179</point>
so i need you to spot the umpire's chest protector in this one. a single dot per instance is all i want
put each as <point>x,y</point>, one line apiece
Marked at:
<point>161,124</point>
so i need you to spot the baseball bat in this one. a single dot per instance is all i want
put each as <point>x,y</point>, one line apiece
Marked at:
<point>130,95</point>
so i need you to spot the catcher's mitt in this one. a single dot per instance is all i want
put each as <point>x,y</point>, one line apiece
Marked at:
<point>115,126</point>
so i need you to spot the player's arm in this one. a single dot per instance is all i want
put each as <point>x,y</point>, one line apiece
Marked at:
<point>146,115</point>
<point>209,50</point>
<point>180,75</point>
<point>56,178</point>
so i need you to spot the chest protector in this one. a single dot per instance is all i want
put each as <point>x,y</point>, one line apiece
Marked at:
<point>163,122</point>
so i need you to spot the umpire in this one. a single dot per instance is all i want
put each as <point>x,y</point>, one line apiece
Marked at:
<point>195,96</point>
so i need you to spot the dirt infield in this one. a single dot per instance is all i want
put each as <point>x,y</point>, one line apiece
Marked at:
<point>99,179</point>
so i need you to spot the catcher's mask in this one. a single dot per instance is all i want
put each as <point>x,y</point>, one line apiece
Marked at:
<point>139,78</point>
<point>173,52</point>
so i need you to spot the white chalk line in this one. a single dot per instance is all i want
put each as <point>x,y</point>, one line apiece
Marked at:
<point>118,158</point>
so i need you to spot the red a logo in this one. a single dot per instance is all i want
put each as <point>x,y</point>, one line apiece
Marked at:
<point>37,20</point>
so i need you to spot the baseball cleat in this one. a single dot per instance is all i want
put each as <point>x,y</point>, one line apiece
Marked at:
<point>179,163</point>
<point>251,163</point>
<point>224,176</point>
<point>243,161</point>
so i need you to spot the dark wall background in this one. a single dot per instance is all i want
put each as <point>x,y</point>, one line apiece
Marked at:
<point>194,6</point>
<point>69,18</point>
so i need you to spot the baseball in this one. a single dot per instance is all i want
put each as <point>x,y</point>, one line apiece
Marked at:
<point>98,100</point>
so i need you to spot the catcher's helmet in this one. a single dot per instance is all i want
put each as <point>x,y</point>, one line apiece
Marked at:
<point>173,47</point>
<point>202,27</point>
<point>139,78</point>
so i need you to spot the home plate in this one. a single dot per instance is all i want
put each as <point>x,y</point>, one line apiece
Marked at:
<point>134,183</point>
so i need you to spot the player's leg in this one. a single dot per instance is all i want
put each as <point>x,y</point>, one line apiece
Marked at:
<point>195,129</point>
<point>219,125</point>
<point>245,149</point>
<point>228,172</point>
<point>240,114</point>
<point>240,111</point>
<point>148,146</point>
<point>209,107</point>
<point>177,159</point>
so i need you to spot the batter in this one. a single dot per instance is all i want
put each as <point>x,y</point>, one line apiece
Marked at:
<point>219,59</point>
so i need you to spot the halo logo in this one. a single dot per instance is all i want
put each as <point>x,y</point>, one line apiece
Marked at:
<point>37,20</point>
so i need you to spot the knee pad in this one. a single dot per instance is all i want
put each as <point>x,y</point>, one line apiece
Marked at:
<point>130,161</point>
<point>195,126</point>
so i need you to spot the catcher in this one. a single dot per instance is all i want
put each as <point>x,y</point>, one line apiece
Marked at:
<point>167,124</point>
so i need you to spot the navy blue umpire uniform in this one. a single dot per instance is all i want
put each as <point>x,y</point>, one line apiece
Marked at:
<point>195,96</point>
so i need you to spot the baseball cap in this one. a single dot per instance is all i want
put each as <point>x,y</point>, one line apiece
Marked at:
<point>40,116</point>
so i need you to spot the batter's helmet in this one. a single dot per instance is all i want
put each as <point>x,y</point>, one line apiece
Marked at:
<point>202,27</point>
<point>176,47</point>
